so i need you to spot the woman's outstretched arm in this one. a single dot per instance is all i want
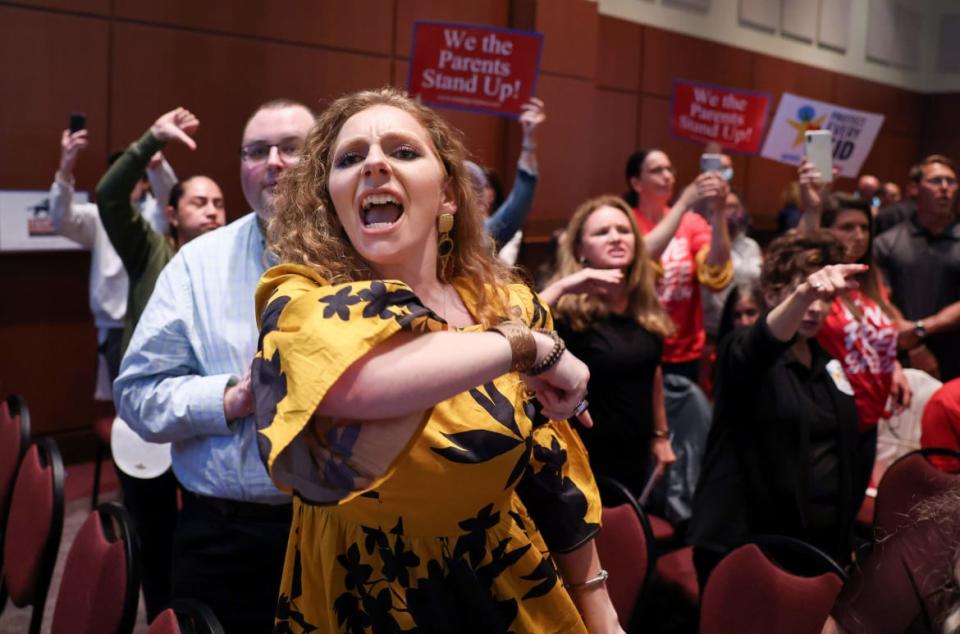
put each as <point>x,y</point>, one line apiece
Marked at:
<point>592,599</point>
<point>410,373</point>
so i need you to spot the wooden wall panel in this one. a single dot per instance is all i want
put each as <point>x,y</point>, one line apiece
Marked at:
<point>55,373</point>
<point>359,25</point>
<point>484,138</point>
<point>654,133</point>
<point>668,56</point>
<point>892,156</point>
<point>98,7</point>
<point>614,132</point>
<point>399,74</point>
<point>565,153</point>
<point>902,108</point>
<point>940,133</point>
<point>619,54</point>
<point>491,12</point>
<point>764,187</point>
<point>740,174</point>
<point>229,77</point>
<point>48,338</point>
<point>569,30</point>
<point>777,76</point>
<point>53,64</point>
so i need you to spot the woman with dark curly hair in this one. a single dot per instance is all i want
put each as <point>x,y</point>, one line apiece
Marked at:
<point>782,452</point>
<point>392,386</point>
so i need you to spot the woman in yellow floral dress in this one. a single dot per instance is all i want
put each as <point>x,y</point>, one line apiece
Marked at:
<point>392,388</point>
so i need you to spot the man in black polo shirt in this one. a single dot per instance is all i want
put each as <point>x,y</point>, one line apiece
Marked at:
<point>921,261</point>
<point>896,212</point>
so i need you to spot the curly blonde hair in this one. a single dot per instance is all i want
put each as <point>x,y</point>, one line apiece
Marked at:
<point>642,303</point>
<point>305,228</point>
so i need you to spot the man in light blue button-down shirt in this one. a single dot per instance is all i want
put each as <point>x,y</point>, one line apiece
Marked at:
<point>185,380</point>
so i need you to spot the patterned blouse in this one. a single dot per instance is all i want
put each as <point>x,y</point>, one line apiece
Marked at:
<point>442,521</point>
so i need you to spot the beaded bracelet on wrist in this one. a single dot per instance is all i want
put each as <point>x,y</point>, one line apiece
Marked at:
<point>552,358</point>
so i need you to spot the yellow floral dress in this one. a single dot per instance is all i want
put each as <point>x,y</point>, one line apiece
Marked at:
<point>437,523</point>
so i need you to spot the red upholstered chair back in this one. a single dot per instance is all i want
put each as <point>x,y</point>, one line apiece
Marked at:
<point>34,527</point>
<point>101,578</point>
<point>625,546</point>
<point>625,552</point>
<point>908,481</point>
<point>165,623</point>
<point>14,437</point>
<point>747,594</point>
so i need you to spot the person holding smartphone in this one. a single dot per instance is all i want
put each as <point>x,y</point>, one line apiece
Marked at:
<point>81,223</point>
<point>696,252</point>
<point>859,331</point>
<point>746,257</point>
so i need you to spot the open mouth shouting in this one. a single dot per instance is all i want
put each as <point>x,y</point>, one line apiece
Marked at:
<point>380,210</point>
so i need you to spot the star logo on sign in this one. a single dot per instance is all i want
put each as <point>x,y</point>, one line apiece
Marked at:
<point>807,119</point>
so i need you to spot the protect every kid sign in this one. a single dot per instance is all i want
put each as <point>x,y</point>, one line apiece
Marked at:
<point>472,67</point>
<point>853,132</point>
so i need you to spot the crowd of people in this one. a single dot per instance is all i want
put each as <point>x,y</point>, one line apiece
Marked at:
<point>377,422</point>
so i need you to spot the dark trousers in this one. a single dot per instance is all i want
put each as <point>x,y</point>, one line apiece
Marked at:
<point>704,561</point>
<point>229,556</point>
<point>112,352</point>
<point>152,504</point>
<point>866,456</point>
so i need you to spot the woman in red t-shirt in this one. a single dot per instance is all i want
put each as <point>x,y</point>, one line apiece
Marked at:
<point>860,329</point>
<point>696,253</point>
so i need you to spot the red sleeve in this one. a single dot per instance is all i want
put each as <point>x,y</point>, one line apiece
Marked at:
<point>830,336</point>
<point>884,290</point>
<point>940,425</point>
<point>697,230</point>
<point>643,222</point>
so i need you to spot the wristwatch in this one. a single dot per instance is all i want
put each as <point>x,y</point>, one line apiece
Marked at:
<point>919,329</point>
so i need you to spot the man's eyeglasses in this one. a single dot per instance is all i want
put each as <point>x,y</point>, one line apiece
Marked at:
<point>259,152</point>
<point>937,181</point>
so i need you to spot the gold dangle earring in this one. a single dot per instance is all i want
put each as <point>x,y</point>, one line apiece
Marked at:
<point>444,243</point>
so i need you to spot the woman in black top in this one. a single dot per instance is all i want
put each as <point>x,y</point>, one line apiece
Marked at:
<point>609,316</point>
<point>781,456</point>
